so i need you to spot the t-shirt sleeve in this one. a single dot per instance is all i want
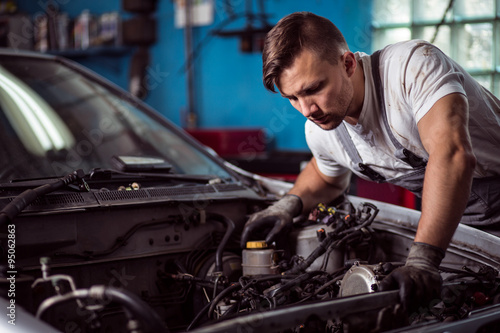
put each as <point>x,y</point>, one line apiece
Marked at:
<point>320,150</point>
<point>429,76</point>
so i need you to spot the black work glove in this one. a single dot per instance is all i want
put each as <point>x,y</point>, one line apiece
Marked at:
<point>418,280</point>
<point>277,217</point>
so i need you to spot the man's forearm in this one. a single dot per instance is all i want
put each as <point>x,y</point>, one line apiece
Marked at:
<point>313,187</point>
<point>445,195</point>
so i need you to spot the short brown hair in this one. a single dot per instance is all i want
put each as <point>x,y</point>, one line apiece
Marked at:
<point>294,33</point>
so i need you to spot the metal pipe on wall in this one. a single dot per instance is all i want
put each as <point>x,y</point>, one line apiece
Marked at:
<point>188,42</point>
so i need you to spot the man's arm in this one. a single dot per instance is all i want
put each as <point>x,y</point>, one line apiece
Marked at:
<point>313,187</point>
<point>310,188</point>
<point>448,176</point>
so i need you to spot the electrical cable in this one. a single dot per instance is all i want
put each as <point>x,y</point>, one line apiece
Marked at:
<point>450,5</point>
<point>23,200</point>
<point>228,8</point>
<point>219,27</point>
<point>233,287</point>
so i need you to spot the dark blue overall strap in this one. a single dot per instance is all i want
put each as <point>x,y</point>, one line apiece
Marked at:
<point>401,152</point>
<point>348,144</point>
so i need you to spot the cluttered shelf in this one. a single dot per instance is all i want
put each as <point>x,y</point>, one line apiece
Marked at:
<point>86,35</point>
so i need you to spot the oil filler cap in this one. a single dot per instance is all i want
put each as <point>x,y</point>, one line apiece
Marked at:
<point>257,245</point>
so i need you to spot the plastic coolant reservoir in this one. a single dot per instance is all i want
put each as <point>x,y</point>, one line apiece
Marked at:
<point>305,240</point>
<point>258,259</point>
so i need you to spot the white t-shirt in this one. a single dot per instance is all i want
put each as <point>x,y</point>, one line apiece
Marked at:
<point>414,75</point>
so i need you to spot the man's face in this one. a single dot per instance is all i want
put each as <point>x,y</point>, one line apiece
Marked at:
<point>319,90</point>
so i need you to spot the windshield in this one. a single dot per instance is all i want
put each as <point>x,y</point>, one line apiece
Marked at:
<point>55,120</point>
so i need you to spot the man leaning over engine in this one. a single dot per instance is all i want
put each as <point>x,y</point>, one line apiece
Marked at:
<point>406,115</point>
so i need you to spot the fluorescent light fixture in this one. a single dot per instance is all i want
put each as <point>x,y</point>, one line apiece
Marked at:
<point>39,118</point>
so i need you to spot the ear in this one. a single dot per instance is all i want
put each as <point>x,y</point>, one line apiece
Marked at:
<point>350,63</point>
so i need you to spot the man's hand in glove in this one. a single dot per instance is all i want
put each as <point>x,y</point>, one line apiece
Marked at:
<point>418,280</point>
<point>277,217</point>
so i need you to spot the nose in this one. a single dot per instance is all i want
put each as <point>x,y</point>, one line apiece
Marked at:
<point>307,106</point>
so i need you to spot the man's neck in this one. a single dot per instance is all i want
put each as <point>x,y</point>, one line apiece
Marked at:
<point>358,82</point>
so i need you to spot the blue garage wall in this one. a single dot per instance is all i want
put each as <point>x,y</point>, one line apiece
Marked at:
<point>228,89</point>
<point>228,83</point>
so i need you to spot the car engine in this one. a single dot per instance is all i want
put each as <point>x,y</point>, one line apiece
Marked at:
<point>129,263</point>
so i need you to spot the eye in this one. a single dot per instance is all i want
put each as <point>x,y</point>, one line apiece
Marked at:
<point>313,90</point>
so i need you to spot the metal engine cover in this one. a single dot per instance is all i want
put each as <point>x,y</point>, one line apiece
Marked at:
<point>360,279</point>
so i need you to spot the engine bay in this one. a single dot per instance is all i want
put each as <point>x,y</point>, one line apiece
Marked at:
<point>176,266</point>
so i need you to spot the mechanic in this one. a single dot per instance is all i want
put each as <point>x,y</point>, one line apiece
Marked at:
<point>407,115</point>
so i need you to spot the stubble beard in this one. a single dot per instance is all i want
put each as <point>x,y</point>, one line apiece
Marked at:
<point>342,103</point>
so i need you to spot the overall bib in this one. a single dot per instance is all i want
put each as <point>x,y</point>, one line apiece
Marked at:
<point>483,207</point>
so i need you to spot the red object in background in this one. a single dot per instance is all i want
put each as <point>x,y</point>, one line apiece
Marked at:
<point>480,298</point>
<point>249,150</point>
<point>386,193</point>
<point>232,142</point>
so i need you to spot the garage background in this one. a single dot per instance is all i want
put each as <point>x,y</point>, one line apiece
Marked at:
<point>227,89</point>
<point>204,73</point>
